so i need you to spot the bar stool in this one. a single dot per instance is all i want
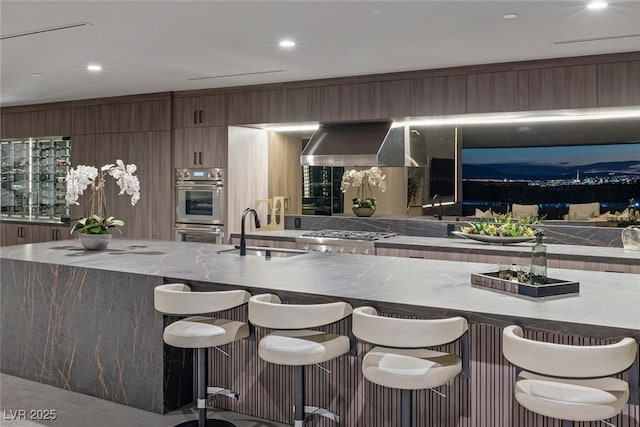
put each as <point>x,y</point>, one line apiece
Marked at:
<point>201,332</point>
<point>292,344</point>
<point>568,382</point>
<point>404,362</point>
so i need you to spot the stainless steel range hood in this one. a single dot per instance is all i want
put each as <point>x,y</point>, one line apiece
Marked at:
<point>356,144</point>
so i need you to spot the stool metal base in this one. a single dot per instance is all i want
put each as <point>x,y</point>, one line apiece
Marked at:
<point>210,423</point>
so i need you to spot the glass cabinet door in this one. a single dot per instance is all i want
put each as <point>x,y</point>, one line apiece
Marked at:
<point>33,177</point>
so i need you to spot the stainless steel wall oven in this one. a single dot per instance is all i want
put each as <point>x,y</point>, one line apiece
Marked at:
<point>199,205</point>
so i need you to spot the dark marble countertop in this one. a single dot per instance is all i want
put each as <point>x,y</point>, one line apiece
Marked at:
<point>609,300</point>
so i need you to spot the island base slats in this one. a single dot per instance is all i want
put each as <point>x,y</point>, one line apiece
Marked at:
<point>484,400</point>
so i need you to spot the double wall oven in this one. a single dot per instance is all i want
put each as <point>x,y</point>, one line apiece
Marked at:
<point>199,205</point>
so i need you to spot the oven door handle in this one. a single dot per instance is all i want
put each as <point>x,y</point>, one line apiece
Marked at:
<point>198,186</point>
<point>197,230</point>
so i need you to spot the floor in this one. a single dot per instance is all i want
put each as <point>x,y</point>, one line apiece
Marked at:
<point>78,410</point>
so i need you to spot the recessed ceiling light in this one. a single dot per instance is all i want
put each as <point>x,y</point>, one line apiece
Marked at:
<point>94,67</point>
<point>597,5</point>
<point>38,75</point>
<point>510,15</point>
<point>287,43</point>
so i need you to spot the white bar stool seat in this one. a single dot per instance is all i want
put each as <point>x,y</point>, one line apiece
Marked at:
<point>403,362</point>
<point>293,344</point>
<point>201,332</point>
<point>302,347</point>
<point>562,381</point>
<point>410,369</point>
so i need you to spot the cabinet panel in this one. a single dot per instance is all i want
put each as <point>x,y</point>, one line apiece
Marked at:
<point>185,112</point>
<point>249,107</point>
<point>186,147</point>
<point>209,110</point>
<point>84,120</point>
<point>16,234</point>
<point>619,84</point>
<point>439,95</point>
<point>214,110</point>
<point>488,92</point>
<point>200,147</point>
<point>49,233</point>
<point>161,181</point>
<point>288,105</point>
<point>213,145</point>
<point>563,87</point>
<point>360,101</point>
<point>396,98</point>
<point>153,115</point>
<point>36,123</point>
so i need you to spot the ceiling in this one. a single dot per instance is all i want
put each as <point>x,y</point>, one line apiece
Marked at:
<point>153,46</point>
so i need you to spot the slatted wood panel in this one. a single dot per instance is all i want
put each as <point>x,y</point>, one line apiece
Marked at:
<point>484,400</point>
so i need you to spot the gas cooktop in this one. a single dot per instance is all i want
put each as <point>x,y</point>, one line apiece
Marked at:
<point>349,234</point>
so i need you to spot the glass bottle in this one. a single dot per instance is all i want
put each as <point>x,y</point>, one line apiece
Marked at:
<point>539,260</point>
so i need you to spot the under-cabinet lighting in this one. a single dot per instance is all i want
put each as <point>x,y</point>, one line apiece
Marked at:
<point>293,128</point>
<point>507,118</point>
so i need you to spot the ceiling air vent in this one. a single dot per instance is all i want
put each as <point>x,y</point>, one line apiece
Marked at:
<point>44,30</point>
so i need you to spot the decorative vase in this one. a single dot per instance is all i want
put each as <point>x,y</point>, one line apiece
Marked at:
<point>94,242</point>
<point>631,238</point>
<point>364,211</point>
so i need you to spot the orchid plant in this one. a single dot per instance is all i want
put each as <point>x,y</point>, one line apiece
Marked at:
<point>363,181</point>
<point>83,177</point>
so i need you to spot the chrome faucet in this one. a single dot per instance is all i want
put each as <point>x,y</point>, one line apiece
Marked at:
<point>437,196</point>
<point>243,238</point>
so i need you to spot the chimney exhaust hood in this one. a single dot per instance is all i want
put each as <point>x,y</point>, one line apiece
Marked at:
<point>356,144</point>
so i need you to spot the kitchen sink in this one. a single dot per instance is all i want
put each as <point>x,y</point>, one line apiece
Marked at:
<point>264,252</point>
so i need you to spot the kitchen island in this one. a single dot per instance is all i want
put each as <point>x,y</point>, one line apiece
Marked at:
<point>85,321</point>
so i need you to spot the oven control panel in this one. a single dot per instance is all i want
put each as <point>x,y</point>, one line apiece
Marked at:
<point>203,174</point>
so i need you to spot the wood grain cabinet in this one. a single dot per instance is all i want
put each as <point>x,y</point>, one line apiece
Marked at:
<point>200,147</point>
<point>153,115</point>
<point>439,95</point>
<point>36,123</point>
<point>50,233</point>
<point>197,111</point>
<point>619,84</point>
<point>16,234</point>
<point>563,87</point>
<point>501,91</point>
<point>271,106</point>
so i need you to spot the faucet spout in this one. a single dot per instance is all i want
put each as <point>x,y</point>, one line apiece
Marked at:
<point>437,196</point>
<point>243,238</point>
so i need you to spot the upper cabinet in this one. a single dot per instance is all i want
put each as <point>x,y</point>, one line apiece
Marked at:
<point>271,106</point>
<point>40,122</point>
<point>501,91</point>
<point>619,84</point>
<point>563,87</point>
<point>439,95</point>
<point>122,117</point>
<point>196,111</point>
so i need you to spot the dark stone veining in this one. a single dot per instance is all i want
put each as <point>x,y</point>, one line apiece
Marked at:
<point>558,232</point>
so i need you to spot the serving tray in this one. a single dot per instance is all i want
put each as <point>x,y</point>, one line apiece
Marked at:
<point>493,240</point>
<point>552,287</point>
